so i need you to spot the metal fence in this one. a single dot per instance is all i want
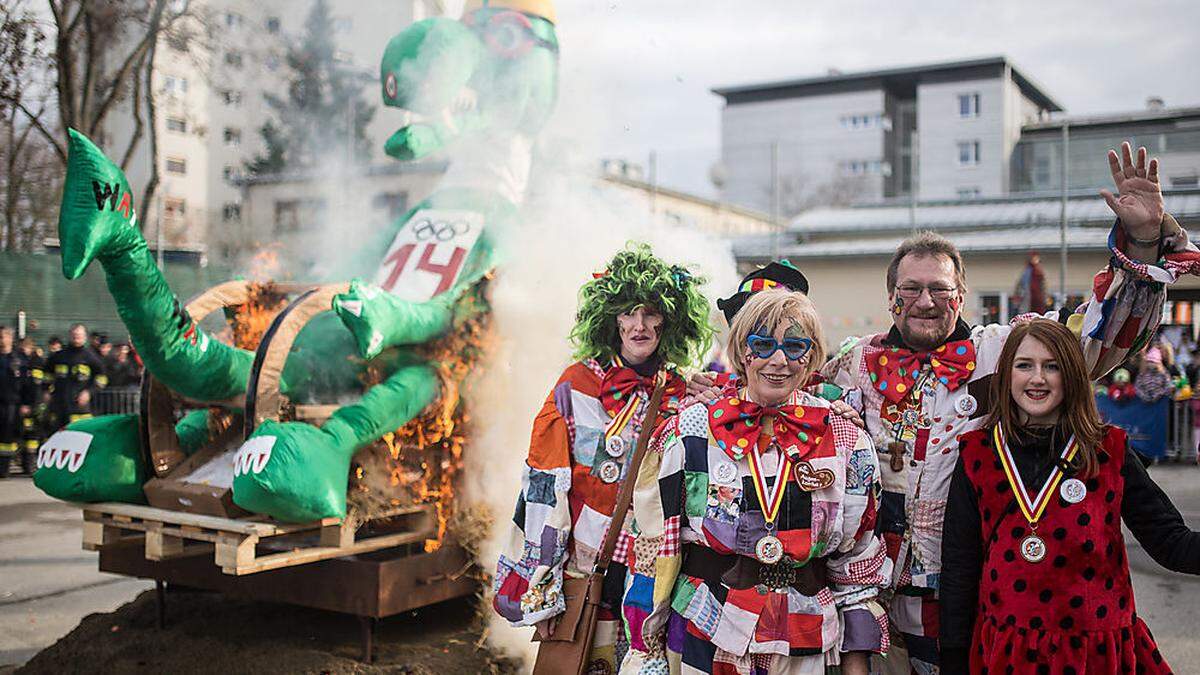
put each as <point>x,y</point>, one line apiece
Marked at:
<point>117,401</point>
<point>1181,434</point>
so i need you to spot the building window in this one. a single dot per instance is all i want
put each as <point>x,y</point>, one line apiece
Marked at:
<point>233,137</point>
<point>177,124</point>
<point>231,173</point>
<point>1185,181</point>
<point>865,121</point>
<point>968,153</point>
<point>968,105</point>
<point>272,62</point>
<point>173,212</point>
<point>866,167</point>
<point>233,59</point>
<point>273,25</point>
<point>233,20</point>
<point>231,212</point>
<point>393,204</point>
<point>175,86</point>
<point>176,165</point>
<point>968,193</point>
<point>231,98</point>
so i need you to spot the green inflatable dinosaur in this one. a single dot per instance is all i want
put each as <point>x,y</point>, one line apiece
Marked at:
<point>476,90</point>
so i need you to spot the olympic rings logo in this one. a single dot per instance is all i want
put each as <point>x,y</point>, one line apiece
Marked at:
<point>440,230</point>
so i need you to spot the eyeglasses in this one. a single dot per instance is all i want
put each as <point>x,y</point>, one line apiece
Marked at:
<point>912,292</point>
<point>764,347</point>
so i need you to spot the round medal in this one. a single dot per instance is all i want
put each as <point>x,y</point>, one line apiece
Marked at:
<point>966,406</point>
<point>610,471</point>
<point>1072,491</point>
<point>725,473</point>
<point>769,550</point>
<point>615,446</point>
<point>1033,549</point>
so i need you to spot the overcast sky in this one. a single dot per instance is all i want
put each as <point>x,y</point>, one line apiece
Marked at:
<point>636,74</point>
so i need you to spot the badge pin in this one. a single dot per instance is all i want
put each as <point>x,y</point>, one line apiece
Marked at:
<point>725,472</point>
<point>966,405</point>
<point>610,471</point>
<point>1073,491</point>
<point>615,446</point>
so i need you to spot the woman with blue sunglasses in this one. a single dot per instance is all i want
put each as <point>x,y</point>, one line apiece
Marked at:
<point>756,549</point>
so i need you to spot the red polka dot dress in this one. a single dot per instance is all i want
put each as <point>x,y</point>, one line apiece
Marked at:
<point>1072,612</point>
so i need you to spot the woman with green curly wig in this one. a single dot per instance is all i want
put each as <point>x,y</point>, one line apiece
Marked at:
<point>639,317</point>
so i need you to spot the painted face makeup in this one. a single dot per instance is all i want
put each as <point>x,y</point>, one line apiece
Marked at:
<point>640,330</point>
<point>769,381</point>
<point>926,301</point>
<point>1037,383</point>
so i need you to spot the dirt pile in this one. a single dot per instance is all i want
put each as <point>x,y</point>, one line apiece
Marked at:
<point>206,633</point>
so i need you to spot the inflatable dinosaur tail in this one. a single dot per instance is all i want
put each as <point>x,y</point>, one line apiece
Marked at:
<point>98,221</point>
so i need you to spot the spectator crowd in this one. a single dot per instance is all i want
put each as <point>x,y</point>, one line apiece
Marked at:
<point>43,389</point>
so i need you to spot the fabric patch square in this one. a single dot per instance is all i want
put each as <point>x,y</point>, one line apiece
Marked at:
<point>723,504</point>
<point>541,488</point>
<point>696,493</point>
<point>703,611</point>
<point>671,488</point>
<point>695,454</point>
<point>693,421</point>
<point>590,526</point>
<point>891,512</point>
<point>587,443</point>
<point>645,550</point>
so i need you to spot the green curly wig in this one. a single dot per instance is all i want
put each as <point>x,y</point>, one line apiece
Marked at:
<point>635,277</point>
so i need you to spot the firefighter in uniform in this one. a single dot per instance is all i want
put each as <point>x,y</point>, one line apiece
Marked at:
<point>11,365</point>
<point>78,373</point>
<point>33,404</point>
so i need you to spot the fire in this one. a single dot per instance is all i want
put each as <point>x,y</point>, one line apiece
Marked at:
<point>252,319</point>
<point>420,462</point>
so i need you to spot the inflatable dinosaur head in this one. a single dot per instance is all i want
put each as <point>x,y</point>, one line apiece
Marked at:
<point>495,71</point>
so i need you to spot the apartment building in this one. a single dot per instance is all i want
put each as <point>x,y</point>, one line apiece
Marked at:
<point>949,129</point>
<point>1171,134</point>
<point>210,95</point>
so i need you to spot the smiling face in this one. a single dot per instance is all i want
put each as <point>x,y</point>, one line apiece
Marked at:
<point>1037,383</point>
<point>639,330</point>
<point>926,300</point>
<point>769,381</point>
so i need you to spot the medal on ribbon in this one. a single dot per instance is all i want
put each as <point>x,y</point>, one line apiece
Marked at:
<point>769,549</point>
<point>1033,547</point>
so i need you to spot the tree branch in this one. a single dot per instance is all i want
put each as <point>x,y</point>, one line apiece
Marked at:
<point>59,148</point>
<point>139,124</point>
<point>150,38</point>
<point>152,113</point>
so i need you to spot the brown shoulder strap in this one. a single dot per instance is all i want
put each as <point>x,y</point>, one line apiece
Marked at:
<point>625,496</point>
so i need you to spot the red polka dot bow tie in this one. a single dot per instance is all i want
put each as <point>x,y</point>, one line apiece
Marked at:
<point>619,383</point>
<point>736,425</point>
<point>894,370</point>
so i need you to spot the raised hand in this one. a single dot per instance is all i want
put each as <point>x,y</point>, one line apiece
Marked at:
<point>1140,201</point>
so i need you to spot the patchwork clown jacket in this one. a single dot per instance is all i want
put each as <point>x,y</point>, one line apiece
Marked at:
<point>582,441</point>
<point>695,488</point>
<point>916,404</point>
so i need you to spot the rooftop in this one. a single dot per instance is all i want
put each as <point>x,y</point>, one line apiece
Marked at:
<point>1146,115</point>
<point>900,77</point>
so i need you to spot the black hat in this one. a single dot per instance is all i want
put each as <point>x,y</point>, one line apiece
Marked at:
<point>775,274</point>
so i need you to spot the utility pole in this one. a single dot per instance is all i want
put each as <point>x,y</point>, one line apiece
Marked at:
<point>775,200</point>
<point>653,181</point>
<point>1062,224</point>
<point>913,184</point>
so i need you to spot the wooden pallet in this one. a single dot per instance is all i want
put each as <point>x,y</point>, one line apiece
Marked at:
<point>235,541</point>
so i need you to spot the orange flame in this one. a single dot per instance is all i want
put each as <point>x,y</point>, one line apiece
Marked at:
<point>424,457</point>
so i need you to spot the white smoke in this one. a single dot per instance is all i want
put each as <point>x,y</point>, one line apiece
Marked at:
<point>570,227</point>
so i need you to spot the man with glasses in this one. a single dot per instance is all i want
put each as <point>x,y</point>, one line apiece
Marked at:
<point>927,380</point>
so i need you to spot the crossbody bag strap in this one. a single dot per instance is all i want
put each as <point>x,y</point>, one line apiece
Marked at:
<point>625,496</point>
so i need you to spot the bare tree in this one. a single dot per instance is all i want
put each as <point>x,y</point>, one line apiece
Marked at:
<point>31,171</point>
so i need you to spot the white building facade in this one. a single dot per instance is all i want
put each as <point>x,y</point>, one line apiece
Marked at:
<point>858,136</point>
